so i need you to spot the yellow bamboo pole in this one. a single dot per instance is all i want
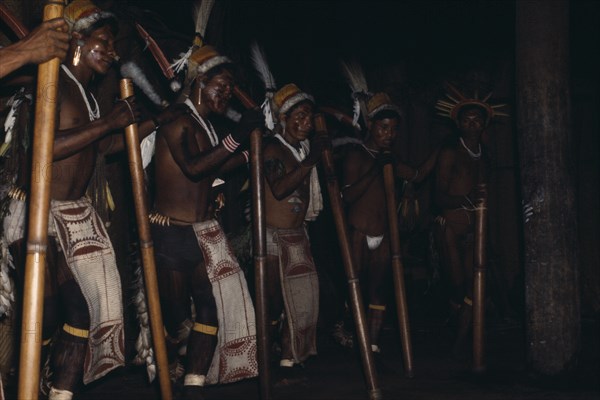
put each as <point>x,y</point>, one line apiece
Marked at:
<point>479,283</point>
<point>398,269</point>
<point>146,248</point>
<point>39,207</point>
<point>260,252</point>
<point>356,300</point>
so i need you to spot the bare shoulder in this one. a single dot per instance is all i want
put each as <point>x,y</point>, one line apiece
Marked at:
<point>355,153</point>
<point>176,127</point>
<point>273,148</point>
<point>185,129</point>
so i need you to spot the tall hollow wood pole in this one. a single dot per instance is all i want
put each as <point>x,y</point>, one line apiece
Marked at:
<point>479,283</point>
<point>356,301</point>
<point>259,239</point>
<point>39,207</point>
<point>146,248</point>
<point>398,270</point>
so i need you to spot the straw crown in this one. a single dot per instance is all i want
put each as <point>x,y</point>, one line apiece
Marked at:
<point>205,58</point>
<point>81,14</point>
<point>288,96</point>
<point>451,107</point>
<point>380,102</point>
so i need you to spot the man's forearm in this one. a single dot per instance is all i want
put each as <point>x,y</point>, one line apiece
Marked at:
<point>286,185</point>
<point>11,59</point>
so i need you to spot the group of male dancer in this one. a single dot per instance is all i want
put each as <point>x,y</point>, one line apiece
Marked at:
<point>208,311</point>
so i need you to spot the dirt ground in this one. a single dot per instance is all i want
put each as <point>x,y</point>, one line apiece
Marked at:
<point>335,374</point>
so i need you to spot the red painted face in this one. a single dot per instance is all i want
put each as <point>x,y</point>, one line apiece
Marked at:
<point>299,122</point>
<point>98,52</point>
<point>384,131</point>
<point>218,91</point>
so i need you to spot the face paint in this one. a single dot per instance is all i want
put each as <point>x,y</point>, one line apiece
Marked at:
<point>217,92</point>
<point>299,123</point>
<point>100,49</point>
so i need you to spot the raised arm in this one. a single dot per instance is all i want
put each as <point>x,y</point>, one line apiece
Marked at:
<point>234,162</point>
<point>193,153</point>
<point>69,141</point>
<point>419,174</point>
<point>283,182</point>
<point>116,142</point>
<point>428,166</point>
<point>47,41</point>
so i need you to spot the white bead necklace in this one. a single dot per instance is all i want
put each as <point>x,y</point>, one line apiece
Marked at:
<point>299,154</point>
<point>208,128</point>
<point>93,114</point>
<point>372,153</point>
<point>473,155</point>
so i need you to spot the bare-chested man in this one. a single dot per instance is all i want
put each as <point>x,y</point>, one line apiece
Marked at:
<point>192,253</point>
<point>79,251</point>
<point>292,196</point>
<point>364,193</point>
<point>83,288</point>
<point>459,170</point>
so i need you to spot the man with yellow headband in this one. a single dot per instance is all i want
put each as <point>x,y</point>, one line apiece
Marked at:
<point>195,263</point>
<point>364,193</point>
<point>83,296</point>
<point>292,197</point>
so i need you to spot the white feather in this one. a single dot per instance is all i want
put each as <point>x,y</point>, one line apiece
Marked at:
<point>9,123</point>
<point>180,63</point>
<point>356,112</point>
<point>268,112</point>
<point>259,60</point>
<point>147,149</point>
<point>133,71</point>
<point>175,85</point>
<point>202,13</point>
<point>356,77</point>
<point>233,115</point>
<point>145,353</point>
<point>360,90</point>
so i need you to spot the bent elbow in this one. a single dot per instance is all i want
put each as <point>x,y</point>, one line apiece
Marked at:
<point>278,195</point>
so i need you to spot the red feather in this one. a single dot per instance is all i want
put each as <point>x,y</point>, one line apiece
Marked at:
<point>156,51</point>
<point>18,28</point>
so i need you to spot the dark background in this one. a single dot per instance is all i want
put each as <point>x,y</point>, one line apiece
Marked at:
<point>409,49</point>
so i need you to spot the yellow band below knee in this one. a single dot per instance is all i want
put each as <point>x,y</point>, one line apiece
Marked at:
<point>376,307</point>
<point>468,301</point>
<point>206,329</point>
<point>274,322</point>
<point>82,333</point>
